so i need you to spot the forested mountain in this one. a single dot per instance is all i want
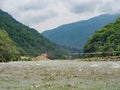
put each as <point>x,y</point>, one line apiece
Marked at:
<point>28,40</point>
<point>75,35</point>
<point>105,40</point>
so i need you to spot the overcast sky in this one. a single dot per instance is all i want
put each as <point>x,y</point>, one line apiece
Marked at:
<point>47,14</point>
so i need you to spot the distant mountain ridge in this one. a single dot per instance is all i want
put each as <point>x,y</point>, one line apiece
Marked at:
<point>28,40</point>
<point>75,35</point>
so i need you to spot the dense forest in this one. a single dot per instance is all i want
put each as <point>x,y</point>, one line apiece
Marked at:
<point>7,47</point>
<point>25,40</point>
<point>105,40</point>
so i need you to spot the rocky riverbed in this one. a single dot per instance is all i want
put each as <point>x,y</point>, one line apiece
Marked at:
<point>60,75</point>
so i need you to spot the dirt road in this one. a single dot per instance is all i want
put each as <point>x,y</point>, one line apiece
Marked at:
<point>60,75</point>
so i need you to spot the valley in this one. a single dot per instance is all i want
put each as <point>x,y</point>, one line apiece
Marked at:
<point>59,45</point>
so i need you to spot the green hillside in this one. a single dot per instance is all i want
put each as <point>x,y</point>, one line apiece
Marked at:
<point>27,39</point>
<point>75,35</point>
<point>105,40</point>
<point>7,46</point>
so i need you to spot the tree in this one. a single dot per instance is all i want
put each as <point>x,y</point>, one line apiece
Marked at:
<point>7,47</point>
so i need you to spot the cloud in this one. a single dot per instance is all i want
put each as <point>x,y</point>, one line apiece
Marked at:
<point>93,6</point>
<point>110,7</point>
<point>85,7</point>
<point>39,17</point>
<point>47,14</point>
<point>33,5</point>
